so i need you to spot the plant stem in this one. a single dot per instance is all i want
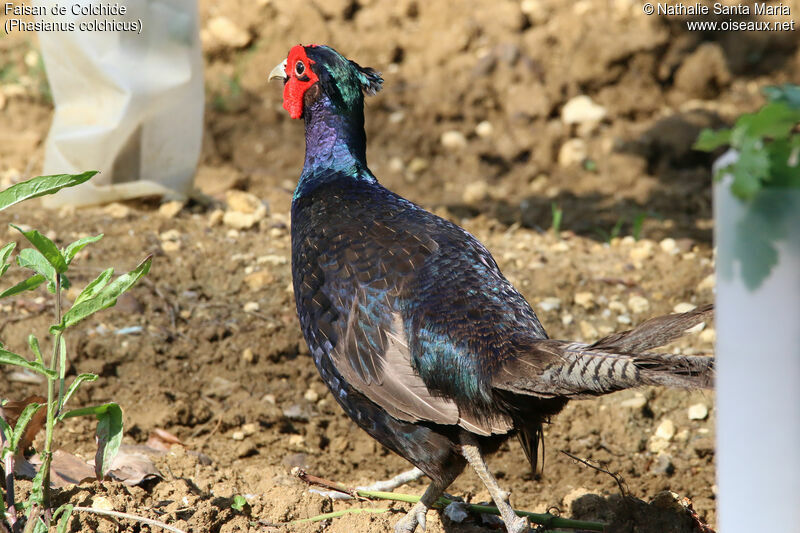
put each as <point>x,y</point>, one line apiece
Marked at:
<point>137,518</point>
<point>51,407</point>
<point>8,467</point>
<point>337,514</point>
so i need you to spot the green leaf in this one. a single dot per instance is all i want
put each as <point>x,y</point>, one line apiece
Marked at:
<point>22,423</point>
<point>66,512</point>
<point>787,93</point>
<point>750,170</point>
<point>6,251</point>
<point>47,248</point>
<point>27,285</point>
<point>71,250</point>
<point>709,140</point>
<point>10,358</point>
<point>93,288</point>
<point>33,343</point>
<point>105,298</point>
<point>775,120</point>
<point>81,378</point>
<point>34,260</point>
<point>109,432</point>
<point>3,269</point>
<point>239,502</point>
<point>41,186</point>
<point>7,432</point>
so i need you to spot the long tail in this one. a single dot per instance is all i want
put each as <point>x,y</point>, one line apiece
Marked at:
<point>619,361</point>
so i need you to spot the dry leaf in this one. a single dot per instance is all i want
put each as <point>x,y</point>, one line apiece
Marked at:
<point>65,469</point>
<point>131,466</point>
<point>11,411</point>
<point>162,440</point>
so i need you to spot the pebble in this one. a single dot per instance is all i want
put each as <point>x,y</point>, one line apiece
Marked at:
<point>248,356</point>
<point>683,307</point>
<point>237,435</point>
<point>170,235</point>
<point>708,335</point>
<point>456,512</point>
<point>550,304</point>
<point>484,129</point>
<point>584,299</point>
<point>225,31</point>
<point>215,217</point>
<point>238,220</point>
<point>643,250</point>
<point>396,164</point>
<point>617,306</point>
<point>272,259</point>
<point>117,210</point>
<point>475,192</point>
<point>624,319</point>
<point>295,412</point>
<point>251,307</point>
<point>581,109</point>
<point>170,209</point>
<point>638,304</point>
<point>666,429</point>
<point>311,396</point>
<point>171,246</point>
<point>567,319</point>
<point>669,246</point>
<point>417,165</point>
<point>397,117</point>
<point>572,152</point>
<point>269,398</point>
<point>250,428</point>
<point>296,440</point>
<point>636,402</point>
<point>662,465</point>
<point>698,411</point>
<point>259,280</point>
<point>588,330</point>
<point>244,202</point>
<point>102,503</point>
<point>707,284</point>
<point>453,140</point>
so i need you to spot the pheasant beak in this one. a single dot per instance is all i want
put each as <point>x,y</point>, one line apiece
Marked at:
<point>279,72</point>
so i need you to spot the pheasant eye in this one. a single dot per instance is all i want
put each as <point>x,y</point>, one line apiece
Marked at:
<point>299,68</point>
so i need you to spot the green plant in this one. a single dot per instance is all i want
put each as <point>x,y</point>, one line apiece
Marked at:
<point>767,142</point>
<point>556,221</point>
<point>50,264</point>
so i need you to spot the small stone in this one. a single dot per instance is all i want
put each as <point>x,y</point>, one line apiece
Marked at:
<point>572,152</point>
<point>588,330</point>
<point>311,396</point>
<point>550,304</point>
<point>666,429</point>
<point>636,402</point>
<point>581,109</point>
<point>170,209</point>
<point>295,412</point>
<point>250,428</point>
<point>272,259</point>
<point>475,192</point>
<point>657,444</point>
<point>226,32</point>
<point>251,307</point>
<point>584,299</point>
<point>669,246</point>
<point>296,440</point>
<point>170,235</point>
<point>484,129</point>
<point>708,336</point>
<point>244,202</point>
<point>269,398</point>
<point>259,280</point>
<point>238,435</point>
<point>117,210</point>
<point>617,306</point>
<point>456,512</point>
<point>638,304</point>
<point>567,319</point>
<point>237,220</point>
<point>248,356</point>
<point>698,411</point>
<point>573,495</point>
<point>624,319</point>
<point>171,247</point>
<point>683,307</point>
<point>397,117</point>
<point>102,503</point>
<point>643,250</point>
<point>453,140</point>
<point>396,164</point>
<point>215,217</point>
<point>707,284</point>
<point>662,465</point>
<point>417,165</point>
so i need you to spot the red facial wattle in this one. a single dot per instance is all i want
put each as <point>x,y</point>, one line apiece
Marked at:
<point>296,86</point>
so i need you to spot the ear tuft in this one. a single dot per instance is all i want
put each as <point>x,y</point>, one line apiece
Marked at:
<point>371,80</point>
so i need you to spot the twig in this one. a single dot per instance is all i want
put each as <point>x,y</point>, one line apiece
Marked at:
<point>623,488</point>
<point>337,514</point>
<point>117,514</point>
<point>545,519</point>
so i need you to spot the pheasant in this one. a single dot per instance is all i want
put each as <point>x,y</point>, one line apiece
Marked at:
<point>421,339</point>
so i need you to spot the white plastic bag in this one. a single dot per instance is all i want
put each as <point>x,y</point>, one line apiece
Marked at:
<point>127,103</point>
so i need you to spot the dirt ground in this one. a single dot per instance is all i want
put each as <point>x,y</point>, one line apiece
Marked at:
<point>469,125</point>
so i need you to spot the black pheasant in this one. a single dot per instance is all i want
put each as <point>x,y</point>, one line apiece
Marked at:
<point>411,324</point>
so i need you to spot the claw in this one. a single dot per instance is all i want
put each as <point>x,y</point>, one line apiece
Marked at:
<point>416,516</point>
